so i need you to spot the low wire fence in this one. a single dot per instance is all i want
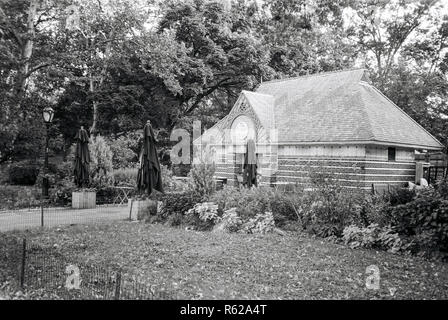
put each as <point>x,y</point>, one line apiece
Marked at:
<point>48,216</point>
<point>33,267</point>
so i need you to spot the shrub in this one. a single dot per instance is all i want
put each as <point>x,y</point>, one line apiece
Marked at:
<point>101,169</point>
<point>397,196</point>
<point>248,202</point>
<point>373,209</point>
<point>326,212</point>
<point>105,194</point>
<point>124,150</point>
<point>230,221</point>
<point>261,223</point>
<point>181,170</point>
<point>284,208</point>
<point>62,196</point>
<point>178,203</point>
<point>16,197</point>
<point>373,237</point>
<point>126,177</point>
<point>203,215</point>
<point>425,219</point>
<point>172,184</point>
<point>201,179</point>
<point>23,173</point>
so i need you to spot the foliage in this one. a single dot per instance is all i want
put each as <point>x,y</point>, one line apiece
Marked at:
<point>105,194</point>
<point>284,208</point>
<point>425,218</point>
<point>248,202</point>
<point>23,173</point>
<point>62,196</point>
<point>373,237</point>
<point>261,223</point>
<point>328,207</point>
<point>170,183</point>
<point>178,203</point>
<point>125,150</point>
<point>16,197</point>
<point>101,169</point>
<point>181,170</point>
<point>126,177</point>
<point>114,73</point>
<point>203,216</point>
<point>230,221</point>
<point>201,179</point>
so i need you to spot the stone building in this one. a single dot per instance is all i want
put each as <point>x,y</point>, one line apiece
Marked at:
<point>336,122</point>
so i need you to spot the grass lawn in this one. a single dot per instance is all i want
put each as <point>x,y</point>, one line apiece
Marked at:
<point>205,265</point>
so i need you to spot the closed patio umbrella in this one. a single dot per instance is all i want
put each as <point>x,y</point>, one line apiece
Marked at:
<point>149,176</point>
<point>82,158</point>
<point>250,165</point>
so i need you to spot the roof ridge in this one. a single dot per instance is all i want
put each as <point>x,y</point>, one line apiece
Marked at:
<point>253,92</point>
<point>317,74</point>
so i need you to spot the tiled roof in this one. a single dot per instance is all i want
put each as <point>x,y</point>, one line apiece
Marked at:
<point>336,107</point>
<point>263,105</point>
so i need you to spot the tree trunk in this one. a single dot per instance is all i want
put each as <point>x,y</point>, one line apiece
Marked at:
<point>27,52</point>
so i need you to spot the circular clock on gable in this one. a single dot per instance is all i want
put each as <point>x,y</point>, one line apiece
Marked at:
<point>243,128</point>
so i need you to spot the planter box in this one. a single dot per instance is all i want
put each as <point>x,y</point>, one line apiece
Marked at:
<point>142,209</point>
<point>83,200</point>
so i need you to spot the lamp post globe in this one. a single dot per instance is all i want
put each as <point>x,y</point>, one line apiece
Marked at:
<point>47,114</point>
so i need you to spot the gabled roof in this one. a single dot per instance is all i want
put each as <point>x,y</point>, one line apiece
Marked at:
<point>263,106</point>
<point>337,107</point>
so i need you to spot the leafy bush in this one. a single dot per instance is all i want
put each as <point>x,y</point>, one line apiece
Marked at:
<point>284,208</point>
<point>178,203</point>
<point>201,179</point>
<point>373,209</point>
<point>23,173</point>
<point>124,150</point>
<point>105,195</point>
<point>203,215</point>
<point>326,212</point>
<point>16,197</point>
<point>230,221</point>
<point>425,219</point>
<point>62,196</point>
<point>170,183</point>
<point>126,177</point>
<point>181,170</point>
<point>101,169</point>
<point>248,202</point>
<point>261,223</point>
<point>373,237</point>
<point>397,196</point>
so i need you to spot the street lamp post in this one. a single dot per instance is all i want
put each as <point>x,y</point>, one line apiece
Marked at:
<point>47,114</point>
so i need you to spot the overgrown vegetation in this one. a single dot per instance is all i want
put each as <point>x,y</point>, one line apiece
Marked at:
<point>400,221</point>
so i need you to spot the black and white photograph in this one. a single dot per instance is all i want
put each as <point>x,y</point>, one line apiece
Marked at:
<point>222,155</point>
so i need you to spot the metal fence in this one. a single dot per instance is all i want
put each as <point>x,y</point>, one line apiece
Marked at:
<point>35,267</point>
<point>436,173</point>
<point>48,216</point>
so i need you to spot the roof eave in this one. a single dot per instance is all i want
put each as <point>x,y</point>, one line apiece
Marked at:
<point>363,142</point>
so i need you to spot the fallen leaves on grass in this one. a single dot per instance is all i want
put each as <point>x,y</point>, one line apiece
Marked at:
<point>205,265</point>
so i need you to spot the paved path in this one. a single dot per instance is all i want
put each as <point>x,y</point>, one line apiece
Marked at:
<point>31,218</point>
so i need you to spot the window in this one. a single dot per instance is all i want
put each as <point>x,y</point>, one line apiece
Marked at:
<point>391,154</point>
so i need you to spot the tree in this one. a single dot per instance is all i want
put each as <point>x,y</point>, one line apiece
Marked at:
<point>23,35</point>
<point>383,27</point>
<point>305,36</point>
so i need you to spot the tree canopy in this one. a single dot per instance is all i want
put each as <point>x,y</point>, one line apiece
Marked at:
<point>110,65</point>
